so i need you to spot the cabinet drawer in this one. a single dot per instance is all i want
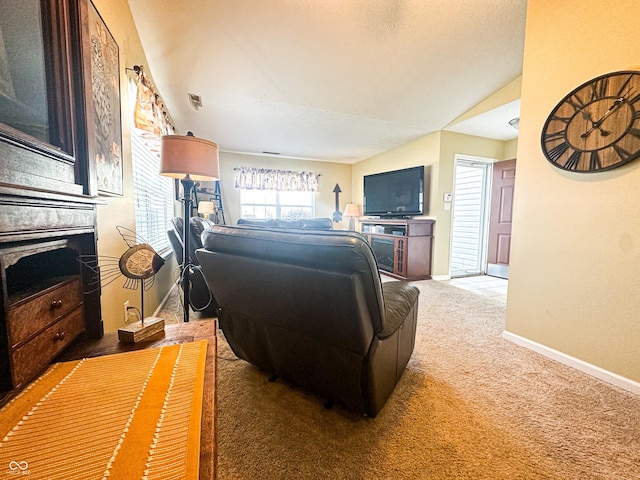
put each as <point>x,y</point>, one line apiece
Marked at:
<point>31,358</point>
<point>33,314</point>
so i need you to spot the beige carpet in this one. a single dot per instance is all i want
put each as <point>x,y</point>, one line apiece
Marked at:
<point>469,406</point>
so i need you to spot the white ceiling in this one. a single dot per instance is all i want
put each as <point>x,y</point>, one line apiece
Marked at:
<point>335,80</point>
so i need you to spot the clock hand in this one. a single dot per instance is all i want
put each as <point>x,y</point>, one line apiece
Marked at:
<point>596,125</point>
<point>611,109</point>
<point>587,116</point>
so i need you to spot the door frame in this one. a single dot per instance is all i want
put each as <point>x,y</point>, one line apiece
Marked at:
<point>486,163</point>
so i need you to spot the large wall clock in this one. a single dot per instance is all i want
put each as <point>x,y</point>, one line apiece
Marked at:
<point>596,127</point>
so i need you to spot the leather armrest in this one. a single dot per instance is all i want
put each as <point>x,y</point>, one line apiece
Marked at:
<point>399,299</point>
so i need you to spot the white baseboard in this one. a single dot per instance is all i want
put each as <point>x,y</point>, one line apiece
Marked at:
<point>594,371</point>
<point>164,300</point>
<point>440,277</point>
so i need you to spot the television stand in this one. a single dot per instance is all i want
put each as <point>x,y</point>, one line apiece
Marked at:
<point>402,246</point>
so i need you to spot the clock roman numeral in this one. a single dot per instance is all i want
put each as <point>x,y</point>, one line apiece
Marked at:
<point>576,102</point>
<point>572,163</point>
<point>636,115</point>
<point>635,132</point>
<point>624,86</point>
<point>561,119</point>
<point>556,152</point>
<point>634,99</point>
<point>622,153</point>
<point>594,161</point>
<point>599,89</point>
<point>549,137</point>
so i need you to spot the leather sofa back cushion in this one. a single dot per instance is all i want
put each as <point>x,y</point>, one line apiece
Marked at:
<point>308,223</point>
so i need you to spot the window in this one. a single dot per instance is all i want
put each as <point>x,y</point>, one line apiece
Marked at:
<point>153,194</point>
<point>276,204</point>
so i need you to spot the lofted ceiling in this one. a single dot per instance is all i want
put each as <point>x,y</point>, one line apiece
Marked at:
<point>334,80</point>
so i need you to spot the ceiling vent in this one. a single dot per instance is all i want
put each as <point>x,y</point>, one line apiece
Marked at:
<point>195,101</point>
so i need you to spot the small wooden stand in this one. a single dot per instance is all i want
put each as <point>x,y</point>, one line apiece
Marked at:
<point>135,332</point>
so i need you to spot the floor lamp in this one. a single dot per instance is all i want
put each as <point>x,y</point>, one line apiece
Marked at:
<point>190,159</point>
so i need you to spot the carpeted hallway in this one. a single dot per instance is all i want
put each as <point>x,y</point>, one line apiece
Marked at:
<point>470,405</point>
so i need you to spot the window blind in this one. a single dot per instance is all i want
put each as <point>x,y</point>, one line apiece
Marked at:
<point>153,195</point>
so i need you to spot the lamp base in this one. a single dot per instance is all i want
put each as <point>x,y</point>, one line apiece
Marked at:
<point>138,331</point>
<point>187,188</point>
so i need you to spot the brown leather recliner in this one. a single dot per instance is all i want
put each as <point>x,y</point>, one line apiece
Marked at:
<point>309,306</point>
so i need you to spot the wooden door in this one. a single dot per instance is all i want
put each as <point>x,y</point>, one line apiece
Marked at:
<point>500,218</point>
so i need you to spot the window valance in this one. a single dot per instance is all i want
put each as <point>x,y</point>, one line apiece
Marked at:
<point>282,180</point>
<point>149,113</point>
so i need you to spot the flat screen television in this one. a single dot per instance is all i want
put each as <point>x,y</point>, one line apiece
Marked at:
<point>399,193</point>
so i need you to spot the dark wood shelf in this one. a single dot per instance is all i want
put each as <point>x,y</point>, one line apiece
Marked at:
<point>402,246</point>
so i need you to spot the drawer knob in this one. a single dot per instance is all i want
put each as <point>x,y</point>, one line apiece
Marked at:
<point>58,336</point>
<point>55,304</point>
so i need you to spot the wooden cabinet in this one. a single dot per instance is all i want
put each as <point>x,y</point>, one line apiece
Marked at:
<point>48,187</point>
<point>33,356</point>
<point>402,246</point>
<point>46,305</point>
<point>45,106</point>
<point>27,317</point>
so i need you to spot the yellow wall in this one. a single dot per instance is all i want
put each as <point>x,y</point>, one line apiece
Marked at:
<point>436,152</point>
<point>506,94</point>
<point>120,210</point>
<point>510,149</point>
<point>330,174</point>
<point>423,151</point>
<point>575,264</point>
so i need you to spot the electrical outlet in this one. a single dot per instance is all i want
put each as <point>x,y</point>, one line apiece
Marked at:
<point>126,311</point>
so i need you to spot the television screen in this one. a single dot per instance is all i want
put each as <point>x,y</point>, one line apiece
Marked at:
<point>399,193</point>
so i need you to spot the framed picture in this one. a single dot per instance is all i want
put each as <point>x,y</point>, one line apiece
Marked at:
<point>105,142</point>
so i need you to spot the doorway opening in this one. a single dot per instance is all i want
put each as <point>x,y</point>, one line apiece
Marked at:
<point>470,210</point>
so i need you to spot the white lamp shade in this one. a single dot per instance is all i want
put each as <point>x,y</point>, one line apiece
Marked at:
<point>182,155</point>
<point>351,210</point>
<point>206,208</point>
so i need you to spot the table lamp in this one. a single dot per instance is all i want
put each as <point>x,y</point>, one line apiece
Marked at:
<point>190,159</point>
<point>351,210</point>
<point>207,209</point>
